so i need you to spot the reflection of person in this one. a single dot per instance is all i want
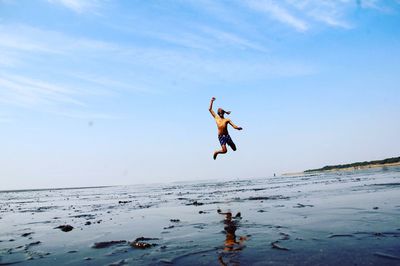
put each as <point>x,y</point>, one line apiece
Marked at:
<point>231,244</point>
<point>222,124</point>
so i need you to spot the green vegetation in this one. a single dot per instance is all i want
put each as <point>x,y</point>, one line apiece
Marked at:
<point>358,164</point>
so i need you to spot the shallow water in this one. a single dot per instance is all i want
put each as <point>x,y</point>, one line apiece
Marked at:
<point>342,218</point>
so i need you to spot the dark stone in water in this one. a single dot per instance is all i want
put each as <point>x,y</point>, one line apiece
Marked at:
<point>175,220</point>
<point>32,244</point>
<point>88,223</point>
<point>375,208</point>
<point>166,261</point>
<point>72,251</point>
<point>387,184</point>
<point>284,236</point>
<point>274,197</point>
<point>299,205</point>
<point>276,246</point>
<point>141,245</point>
<point>87,216</point>
<point>169,227</point>
<point>340,235</point>
<point>26,234</point>
<point>138,243</point>
<point>196,203</point>
<point>124,201</point>
<point>145,239</point>
<point>65,228</point>
<point>107,244</point>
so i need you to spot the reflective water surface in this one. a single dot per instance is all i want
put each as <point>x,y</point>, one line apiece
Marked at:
<point>342,218</point>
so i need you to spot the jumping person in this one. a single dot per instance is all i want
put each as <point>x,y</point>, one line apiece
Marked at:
<point>222,124</point>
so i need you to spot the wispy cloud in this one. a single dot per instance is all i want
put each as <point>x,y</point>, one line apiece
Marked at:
<point>20,37</point>
<point>278,13</point>
<point>330,13</point>
<point>27,92</point>
<point>229,38</point>
<point>303,15</point>
<point>113,68</point>
<point>79,6</point>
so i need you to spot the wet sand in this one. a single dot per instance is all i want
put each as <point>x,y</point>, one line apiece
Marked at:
<point>343,218</point>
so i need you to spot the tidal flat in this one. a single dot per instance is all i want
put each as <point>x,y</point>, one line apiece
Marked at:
<point>342,218</point>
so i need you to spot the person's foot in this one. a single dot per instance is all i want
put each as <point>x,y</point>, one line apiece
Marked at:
<point>215,155</point>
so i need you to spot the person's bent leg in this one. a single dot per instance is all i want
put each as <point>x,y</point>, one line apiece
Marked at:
<point>233,146</point>
<point>222,151</point>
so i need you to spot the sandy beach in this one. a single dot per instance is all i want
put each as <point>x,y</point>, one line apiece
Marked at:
<point>346,218</point>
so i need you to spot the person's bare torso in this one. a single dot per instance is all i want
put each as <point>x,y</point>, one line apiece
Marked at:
<point>222,124</point>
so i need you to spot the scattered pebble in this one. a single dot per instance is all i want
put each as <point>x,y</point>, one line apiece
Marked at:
<point>195,203</point>
<point>26,234</point>
<point>140,244</point>
<point>107,244</point>
<point>124,201</point>
<point>169,227</point>
<point>299,205</point>
<point>340,235</point>
<point>32,244</point>
<point>65,228</point>
<point>276,246</point>
<point>273,197</point>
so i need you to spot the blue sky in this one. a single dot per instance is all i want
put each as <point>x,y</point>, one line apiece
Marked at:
<point>117,92</point>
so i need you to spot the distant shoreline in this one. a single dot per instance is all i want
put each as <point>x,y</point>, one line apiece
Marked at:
<point>389,162</point>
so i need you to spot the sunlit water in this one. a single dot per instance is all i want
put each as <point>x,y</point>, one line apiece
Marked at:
<point>344,218</point>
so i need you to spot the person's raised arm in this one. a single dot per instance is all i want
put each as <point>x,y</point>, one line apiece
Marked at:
<point>211,106</point>
<point>234,126</point>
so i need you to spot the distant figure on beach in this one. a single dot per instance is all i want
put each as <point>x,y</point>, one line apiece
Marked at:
<point>222,124</point>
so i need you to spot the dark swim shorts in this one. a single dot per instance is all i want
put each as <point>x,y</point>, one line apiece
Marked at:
<point>225,139</point>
